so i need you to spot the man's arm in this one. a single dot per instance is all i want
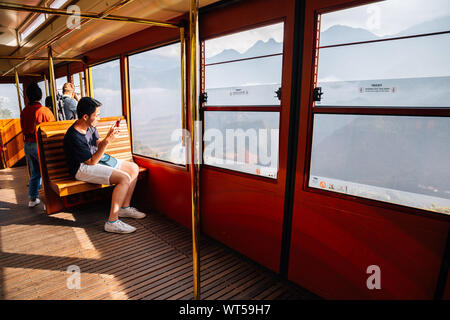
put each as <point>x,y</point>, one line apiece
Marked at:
<point>99,153</point>
<point>101,146</point>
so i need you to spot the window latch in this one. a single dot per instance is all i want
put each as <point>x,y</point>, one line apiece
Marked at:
<point>204,97</point>
<point>278,93</point>
<point>317,94</point>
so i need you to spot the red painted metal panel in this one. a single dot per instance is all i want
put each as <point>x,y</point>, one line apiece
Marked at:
<point>335,239</point>
<point>167,190</point>
<point>447,288</point>
<point>244,214</point>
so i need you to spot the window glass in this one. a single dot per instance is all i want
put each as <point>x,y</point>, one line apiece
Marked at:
<point>33,26</point>
<point>60,83</point>
<point>244,68</point>
<point>256,42</point>
<point>106,86</point>
<point>384,19</point>
<point>76,83</point>
<point>401,160</point>
<point>57,4</point>
<point>410,72</point>
<point>9,105</point>
<point>155,96</point>
<point>229,85</point>
<point>41,85</point>
<point>387,73</point>
<point>242,141</point>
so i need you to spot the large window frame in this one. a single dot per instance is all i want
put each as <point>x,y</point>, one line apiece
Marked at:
<point>237,108</point>
<point>127,55</point>
<point>359,110</point>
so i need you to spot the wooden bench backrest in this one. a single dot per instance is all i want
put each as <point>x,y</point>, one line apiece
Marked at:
<point>11,142</point>
<point>52,136</point>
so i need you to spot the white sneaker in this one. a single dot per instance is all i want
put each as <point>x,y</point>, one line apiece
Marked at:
<point>119,227</point>
<point>131,212</point>
<point>34,203</point>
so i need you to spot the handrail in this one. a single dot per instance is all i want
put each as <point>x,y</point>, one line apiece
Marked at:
<point>88,17</point>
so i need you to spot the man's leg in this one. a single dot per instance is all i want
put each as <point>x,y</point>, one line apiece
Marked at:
<point>35,173</point>
<point>122,181</point>
<point>132,170</point>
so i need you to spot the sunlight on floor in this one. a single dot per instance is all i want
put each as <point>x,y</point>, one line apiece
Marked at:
<point>86,244</point>
<point>52,241</point>
<point>8,195</point>
<point>6,177</point>
<point>26,283</point>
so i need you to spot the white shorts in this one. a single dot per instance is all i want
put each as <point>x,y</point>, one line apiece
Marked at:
<point>97,173</point>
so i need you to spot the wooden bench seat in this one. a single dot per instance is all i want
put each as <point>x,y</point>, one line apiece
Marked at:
<point>55,175</point>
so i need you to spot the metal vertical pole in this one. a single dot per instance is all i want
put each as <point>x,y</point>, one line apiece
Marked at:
<point>86,81</point>
<point>183,84</point>
<point>16,76</point>
<point>89,85</point>
<point>194,145</point>
<point>80,75</point>
<point>51,74</point>
<point>46,85</point>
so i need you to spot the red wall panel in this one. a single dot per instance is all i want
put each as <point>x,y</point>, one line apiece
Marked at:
<point>244,215</point>
<point>333,243</point>
<point>167,190</point>
<point>447,288</point>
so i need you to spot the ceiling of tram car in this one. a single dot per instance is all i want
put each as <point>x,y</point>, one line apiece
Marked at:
<point>91,35</point>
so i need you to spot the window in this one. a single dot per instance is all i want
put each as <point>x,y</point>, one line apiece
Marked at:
<point>32,26</point>
<point>57,4</point>
<point>370,59</point>
<point>9,105</point>
<point>106,86</point>
<point>243,73</point>
<point>242,141</point>
<point>79,84</point>
<point>41,85</point>
<point>155,98</point>
<point>60,83</point>
<point>244,68</point>
<point>38,20</point>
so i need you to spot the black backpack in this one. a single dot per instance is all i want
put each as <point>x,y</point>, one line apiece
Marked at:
<point>60,107</point>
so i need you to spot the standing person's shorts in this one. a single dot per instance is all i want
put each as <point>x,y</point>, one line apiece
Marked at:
<point>97,173</point>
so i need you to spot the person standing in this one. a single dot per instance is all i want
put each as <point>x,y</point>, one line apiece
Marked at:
<point>32,115</point>
<point>70,100</point>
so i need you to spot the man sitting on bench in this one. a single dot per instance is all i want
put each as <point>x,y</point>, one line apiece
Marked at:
<point>86,161</point>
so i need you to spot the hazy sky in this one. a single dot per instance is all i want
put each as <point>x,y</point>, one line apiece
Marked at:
<point>243,41</point>
<point>388,17</point>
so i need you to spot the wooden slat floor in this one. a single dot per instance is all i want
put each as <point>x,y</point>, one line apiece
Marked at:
<point>155,262</point>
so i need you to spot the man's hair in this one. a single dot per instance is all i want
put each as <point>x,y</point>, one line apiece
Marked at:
<point>34,93</point>
<point>49,102</point>
<point>87,105</point>
<point>68,87</point>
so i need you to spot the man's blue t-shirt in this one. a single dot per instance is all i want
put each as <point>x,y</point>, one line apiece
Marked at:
<point>79,147</point>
